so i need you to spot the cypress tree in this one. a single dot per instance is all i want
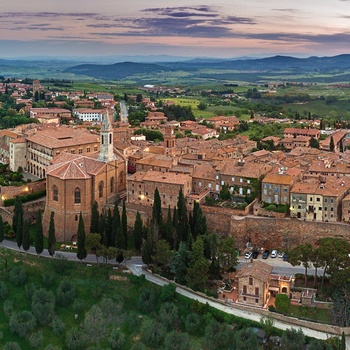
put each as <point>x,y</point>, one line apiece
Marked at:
<point>19,231</point>
<point>331,144</point>
<point>138,229</point>
<point>2,229</point>
<point>102,229</point>
<point>183,225</point>
<point>125,226</point>
<point>176,237</point>
<point>81,254</point>
<point>169,229</point>
<point>147,251</point>
<point>17,212</point>
<point>157,209</point>
<point>51,241</point>
<point>115,220</point>
<point>94,218</point>
<point>109,234</point>
<point>26,235</point>
<point>39,235</point>
<point>120,243</point>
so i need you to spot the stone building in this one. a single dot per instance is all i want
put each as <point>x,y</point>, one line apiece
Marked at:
<point>141,187</point>
<point>253,283</point>
<point>75,181</point>
<point>319,199</point>
<point>42,145</point>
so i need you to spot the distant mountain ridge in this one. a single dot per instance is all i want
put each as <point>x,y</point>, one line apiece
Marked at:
<point>275,63</point>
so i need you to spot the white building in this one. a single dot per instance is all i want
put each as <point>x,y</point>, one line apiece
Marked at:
<point>89,115</point>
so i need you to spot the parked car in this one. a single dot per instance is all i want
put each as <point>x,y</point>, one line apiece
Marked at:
<point>248,255</point>
<point>285,257</point>
<point>266,254</point>
<point>255,255</point>
<point>281,254</point>
<point>274,253</point>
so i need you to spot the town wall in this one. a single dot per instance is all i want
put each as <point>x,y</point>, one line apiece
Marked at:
<point>270,233</point>
<point>8,192</point>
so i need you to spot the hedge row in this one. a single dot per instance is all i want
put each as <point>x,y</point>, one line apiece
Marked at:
<point>26,198</point>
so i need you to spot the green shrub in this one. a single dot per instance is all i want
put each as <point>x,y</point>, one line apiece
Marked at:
<point>18,275</point>
<point>8,307</point>
<point>11,346</point>
<point>26,198</point>
<point>58,326</point>
<point>65,293</point>
<point>36,339</point>
<point>116,339</point>
<point>48,278</point>
<point>168,292</point>
<point>3,290</point>
<point>147,301</point>
<point>22,323</point>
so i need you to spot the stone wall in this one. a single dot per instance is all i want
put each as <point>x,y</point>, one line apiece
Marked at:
<point>8,192</point>
<point>29,210</point>
<point>272,233</point>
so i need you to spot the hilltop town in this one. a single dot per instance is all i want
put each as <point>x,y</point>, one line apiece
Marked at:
<point>63,140</point>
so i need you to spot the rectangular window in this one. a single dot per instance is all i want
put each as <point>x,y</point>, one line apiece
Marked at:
<point>209,185</point>
<point>217,177</point>
<point>325,200</point>
<point>88,150</point>
<point>240,180</point>
<point>276,189</point>
<point>331,208</point>
<point>248,181</point>
<point>232,179</point>
<point>332,200</point>
<point>248,191</point>
<point>72,151</point>
<point>265,192</point>
<point>95,148</point>
<point>318,199</point>
<point>311,199</point>
<point>199,184</point>
<point>256,301</point>
<point>80,150</point>
<point>244,289</point>
<point>320,208</point>
<point>241,190</point>
<point>250,281</point>
<point>244,299</point>
<point>222,183</point>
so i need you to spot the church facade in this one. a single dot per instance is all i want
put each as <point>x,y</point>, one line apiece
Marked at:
<point>75,182</point>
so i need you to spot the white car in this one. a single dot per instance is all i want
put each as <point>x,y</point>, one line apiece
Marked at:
<point>274,253</point>
<point>281,254</point>
<point>248,255</point>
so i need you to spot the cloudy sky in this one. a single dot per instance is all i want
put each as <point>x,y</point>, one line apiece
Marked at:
<point>220,28</point>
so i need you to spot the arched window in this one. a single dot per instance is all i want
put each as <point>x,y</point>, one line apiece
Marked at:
<point>112,184</point>
<point>55,193</point>
<point>100,189</point>
<point>77,197</point>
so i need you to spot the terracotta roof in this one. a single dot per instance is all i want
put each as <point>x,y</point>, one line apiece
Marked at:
<point>70,166</point>
<point>158,176</point>
<point>280,179</point>
<point>257,269</point>
<point>63,137</point>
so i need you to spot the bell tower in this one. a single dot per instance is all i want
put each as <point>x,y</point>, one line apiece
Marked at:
<point>106,141</point>
<point>169,140</point>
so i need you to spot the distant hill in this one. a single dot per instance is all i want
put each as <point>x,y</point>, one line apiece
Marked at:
<point>275,64</point>
<point>117,70</point>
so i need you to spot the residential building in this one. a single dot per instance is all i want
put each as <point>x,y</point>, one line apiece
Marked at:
<point>319,199</point>
<point>89,115</point>
<point>253,283</point>
<point>295,132</point>
<point>141,187</point>
<point>50,115</point>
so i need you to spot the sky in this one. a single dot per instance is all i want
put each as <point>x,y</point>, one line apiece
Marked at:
<point>191,28</point>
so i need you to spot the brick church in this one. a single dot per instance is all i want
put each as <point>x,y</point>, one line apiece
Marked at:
<point>74,182</point>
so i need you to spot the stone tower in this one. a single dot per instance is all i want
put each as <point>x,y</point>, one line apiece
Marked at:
<point>106,141</point>
<point>169,140</point>
<point>36,87</point>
